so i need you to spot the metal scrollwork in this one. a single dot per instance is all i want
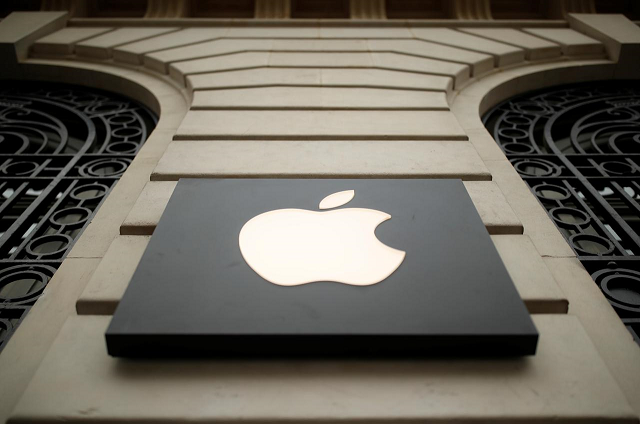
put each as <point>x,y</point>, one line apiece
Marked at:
<point>62,149</point>
<point>578,149</point>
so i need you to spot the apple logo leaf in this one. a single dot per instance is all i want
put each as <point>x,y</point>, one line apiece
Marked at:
<point>337,199</point>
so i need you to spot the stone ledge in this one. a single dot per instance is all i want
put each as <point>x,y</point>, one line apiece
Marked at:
<point>320,159</point>
<point>307,98</point>
<point>315,77</point>
<point>319,125</point>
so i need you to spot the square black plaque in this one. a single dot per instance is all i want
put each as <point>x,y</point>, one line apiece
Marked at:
<point>193,293</point>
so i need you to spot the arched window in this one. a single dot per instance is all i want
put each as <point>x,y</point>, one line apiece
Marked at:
<point>62,150</point>
<point>578,149</point>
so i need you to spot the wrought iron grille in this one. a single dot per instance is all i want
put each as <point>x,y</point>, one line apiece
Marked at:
<point>62,150</point>
<point>578,149</point>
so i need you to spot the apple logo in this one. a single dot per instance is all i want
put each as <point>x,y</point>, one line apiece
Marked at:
<point>289,247</point>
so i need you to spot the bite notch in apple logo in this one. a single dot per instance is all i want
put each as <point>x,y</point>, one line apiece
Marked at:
<point>289,247</point>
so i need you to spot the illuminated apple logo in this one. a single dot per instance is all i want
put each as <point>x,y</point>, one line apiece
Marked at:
<point>290,247</point>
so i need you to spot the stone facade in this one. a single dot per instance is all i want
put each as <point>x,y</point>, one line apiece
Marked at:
<point>316,99</point>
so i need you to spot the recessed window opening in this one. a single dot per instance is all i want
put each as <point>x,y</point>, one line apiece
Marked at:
<point>578,149</point>
<point>62,149</point>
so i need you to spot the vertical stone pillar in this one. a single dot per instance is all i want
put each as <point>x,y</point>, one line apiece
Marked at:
<point>273,9</point>
<point>167,9</point>
<point>75,8</point>
<point>558,9</point>
<point>470,9</point>
<point>367,9</point>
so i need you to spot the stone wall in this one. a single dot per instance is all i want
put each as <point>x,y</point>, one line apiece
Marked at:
<point>314,100</point>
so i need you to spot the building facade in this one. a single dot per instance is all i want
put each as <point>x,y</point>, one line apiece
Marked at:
<point>294,89</point>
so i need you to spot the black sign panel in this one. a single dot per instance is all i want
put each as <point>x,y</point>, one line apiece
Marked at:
<point>239,267</point>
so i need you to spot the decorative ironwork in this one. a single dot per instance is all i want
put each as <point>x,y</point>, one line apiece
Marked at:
<point>62,150</point>
<point>578,149</point>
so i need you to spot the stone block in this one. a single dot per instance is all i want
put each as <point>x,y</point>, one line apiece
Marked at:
<point>101,46</point>
<point>536,48</point>
<point>320,159</point>
<point>265,77</point>
<point>320,59</point>
<point>133,52</point>
<point>503,54</point>
<point>158,61</point>
<point>572,42</point>
<point>319,125</point>
<point>301,98</point>
<point>479,62</point>
<point>112,275</point>
<point>63,42</point>
<point>493,208</point>
<point>402,62</point>
<point>226,63</point>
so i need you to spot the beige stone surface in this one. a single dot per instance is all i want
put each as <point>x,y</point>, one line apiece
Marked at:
<point>274,32</point>
<point>484,143</point>
<point>301,98</point>
<point>63,42</point>
<point>384,79</point>
<point>112,275</point>
<point>390,61</point>
<point>321,59</point>
<point>479,62</point>
<point>401,62</point>
<point>324,124</point>
<point>322,159</point>
<point>535,47</point>
<point>264,77</point>
<point>493,208</point>
<point>146,212</point>
<point>565,382</point>
<point>29,344</point>
<point>613,341</point>
<point>261,77</point>
<point>132,52</point>
<point>320,45</point>
<point>364,32</point>
<point>504,54</point>
<point>529,273</point>
<point>572,42</point>
<point>101,46</point>
<point>537,225</point>
<point>159,60</point>
<point>230,62</point>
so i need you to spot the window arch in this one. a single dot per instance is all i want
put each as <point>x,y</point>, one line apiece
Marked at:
<point>62,150</point>
<point>578,149</point>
